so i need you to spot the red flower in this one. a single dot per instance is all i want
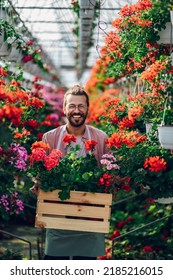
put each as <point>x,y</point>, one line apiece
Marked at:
<point>90,145</point>
<point>105,180</point>
<point>116,233</point>
<point>120,224</point>
<point>3,72</point>
<point>155,164</point>
<point>147,249</point>
<point>38,154</point>
<point>27,58</point>
<point>68,138</point>
<point>50,162</point>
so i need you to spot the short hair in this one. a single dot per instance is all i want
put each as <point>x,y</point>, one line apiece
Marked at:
<point>78,91</point>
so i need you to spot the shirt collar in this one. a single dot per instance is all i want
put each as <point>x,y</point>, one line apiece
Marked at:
<point>84,137</point>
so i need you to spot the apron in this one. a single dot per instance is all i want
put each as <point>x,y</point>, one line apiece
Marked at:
<point>73,243</point>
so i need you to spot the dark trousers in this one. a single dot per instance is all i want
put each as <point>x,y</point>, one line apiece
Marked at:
<point>46,257</point>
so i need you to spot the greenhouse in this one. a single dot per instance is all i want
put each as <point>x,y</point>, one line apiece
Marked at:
<point>86,144</point>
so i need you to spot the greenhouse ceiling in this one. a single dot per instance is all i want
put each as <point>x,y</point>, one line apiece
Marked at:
<point>53,23</point>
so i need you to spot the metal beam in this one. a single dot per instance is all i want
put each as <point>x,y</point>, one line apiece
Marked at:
<point>42,8</point>
<point>49,21</point>
<point>60,8</point>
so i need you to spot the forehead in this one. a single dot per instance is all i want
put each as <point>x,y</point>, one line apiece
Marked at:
<point>76,99</point>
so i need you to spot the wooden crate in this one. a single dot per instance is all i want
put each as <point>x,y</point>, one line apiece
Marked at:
<point>84,211</point>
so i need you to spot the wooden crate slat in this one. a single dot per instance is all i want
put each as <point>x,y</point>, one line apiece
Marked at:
<point>76,196</point>
<point>74,210</point>
<point>72,224</point>
<point>84,211</point>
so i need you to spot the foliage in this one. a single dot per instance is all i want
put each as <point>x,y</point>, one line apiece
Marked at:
<point>144,242</point>
<point>10,255</point>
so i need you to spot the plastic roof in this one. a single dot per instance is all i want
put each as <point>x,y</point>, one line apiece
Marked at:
<point>52,22</point>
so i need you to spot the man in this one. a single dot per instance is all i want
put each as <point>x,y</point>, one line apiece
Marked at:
<point>64,244</point>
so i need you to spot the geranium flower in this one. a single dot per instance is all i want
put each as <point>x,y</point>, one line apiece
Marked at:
<point>40,144</point>
<point>38,154</point>
<point>68,138</point>
<point>51,162</point>
<point>90,145</point>
<point>155,164</point>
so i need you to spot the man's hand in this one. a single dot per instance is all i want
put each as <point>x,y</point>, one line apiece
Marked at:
<point>34,189</point>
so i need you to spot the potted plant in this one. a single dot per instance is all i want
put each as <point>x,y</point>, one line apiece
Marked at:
<point>146,166</point>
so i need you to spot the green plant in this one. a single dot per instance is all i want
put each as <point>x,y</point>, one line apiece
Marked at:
<point>10,35</point>
<point>10,255</point>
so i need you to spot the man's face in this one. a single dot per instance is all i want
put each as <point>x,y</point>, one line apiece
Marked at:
<point>76,110</point>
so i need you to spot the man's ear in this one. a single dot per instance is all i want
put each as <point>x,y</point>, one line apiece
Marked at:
<point>64,109</point>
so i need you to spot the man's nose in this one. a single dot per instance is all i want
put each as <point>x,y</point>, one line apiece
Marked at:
<point>76,108</point>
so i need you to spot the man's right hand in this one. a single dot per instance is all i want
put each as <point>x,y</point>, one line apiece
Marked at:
<point>34,189</point>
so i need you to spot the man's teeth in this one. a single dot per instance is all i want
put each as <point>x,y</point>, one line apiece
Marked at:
<point>76,116</point>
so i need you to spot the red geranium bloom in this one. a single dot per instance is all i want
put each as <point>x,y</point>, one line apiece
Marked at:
<point>3,72</point>
<point>50,162</point>
<point>38,154</point>
<point>90,145</point>
<point>68,138</point>
<point>155,164</point>
<point>147,249</point>
<point>27,58</point>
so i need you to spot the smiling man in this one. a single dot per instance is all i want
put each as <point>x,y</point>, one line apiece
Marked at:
<point>66,244</point>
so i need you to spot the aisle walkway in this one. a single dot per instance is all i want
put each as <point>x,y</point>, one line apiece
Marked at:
<point>27,232</point>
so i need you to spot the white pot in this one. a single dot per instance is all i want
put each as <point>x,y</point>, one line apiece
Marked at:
<point>4,50</point>
<point>148,127</point>
<point>165,34</point>
<point>163,200</point>
<point>165,134</point>
<point>15,55</point>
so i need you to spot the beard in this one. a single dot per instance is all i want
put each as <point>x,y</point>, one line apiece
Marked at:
<point>77,122</point>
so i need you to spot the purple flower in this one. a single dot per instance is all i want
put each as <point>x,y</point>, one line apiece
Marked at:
<point>20,156</point>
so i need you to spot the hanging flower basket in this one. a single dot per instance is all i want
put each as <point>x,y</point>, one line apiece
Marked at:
<point>84,211</point>
<point>5,49</point>
<point>163,200</point>
<point>165,34</point>
<point>165,134</point>
<point>148,127</point>
<point>15,55</point>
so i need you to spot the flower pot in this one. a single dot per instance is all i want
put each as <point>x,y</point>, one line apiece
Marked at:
<point>165,134</point>
<point>15,55</point>
<point>163,200</point>
<point>165,34</point>
<point>4,49</point>
<point>148,127</point>
<point>84,211</point>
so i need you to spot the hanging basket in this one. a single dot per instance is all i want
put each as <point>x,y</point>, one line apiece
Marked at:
<point>84,211</point>
<point>5,50</point>
<point>165,34</point>
<point>15,55</point>
<point>165,134</point>
<point>148,127</point>
<point>163,200</point>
